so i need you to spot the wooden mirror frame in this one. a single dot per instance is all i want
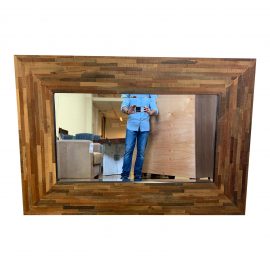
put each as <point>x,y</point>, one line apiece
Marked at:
<point>39,77</point>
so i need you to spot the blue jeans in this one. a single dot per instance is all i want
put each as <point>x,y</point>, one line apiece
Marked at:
<point>131,136</point>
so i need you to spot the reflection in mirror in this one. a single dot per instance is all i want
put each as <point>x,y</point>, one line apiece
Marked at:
<point>98,135</point>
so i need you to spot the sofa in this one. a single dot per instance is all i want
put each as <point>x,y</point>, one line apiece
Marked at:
<point>79,159</point>
<point>80,136</point>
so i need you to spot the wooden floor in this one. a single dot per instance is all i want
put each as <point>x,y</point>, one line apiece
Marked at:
<point>135,198</point>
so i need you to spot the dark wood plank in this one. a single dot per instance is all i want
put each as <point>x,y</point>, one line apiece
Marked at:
<point>205,130</point>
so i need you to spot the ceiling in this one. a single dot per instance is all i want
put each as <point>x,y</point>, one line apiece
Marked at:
<point>110,109</point>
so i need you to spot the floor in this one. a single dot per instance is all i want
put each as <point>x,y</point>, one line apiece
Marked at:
<point>117,178</point>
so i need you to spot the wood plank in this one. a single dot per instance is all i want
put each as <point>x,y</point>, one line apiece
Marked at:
<point>205,117</point>
<point>38,77</point>
<point>171,144</point>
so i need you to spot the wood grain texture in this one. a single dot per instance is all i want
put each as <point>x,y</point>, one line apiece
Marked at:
<point>138,198</point>
<point>171,145</point>
<point>38,77</point>
<point>205,128</point>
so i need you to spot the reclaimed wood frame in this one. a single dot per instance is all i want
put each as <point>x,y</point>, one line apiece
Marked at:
<point>39,77</point>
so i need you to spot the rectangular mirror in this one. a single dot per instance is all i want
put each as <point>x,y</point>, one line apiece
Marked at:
<point>71,146</point>
<point>91,133</point>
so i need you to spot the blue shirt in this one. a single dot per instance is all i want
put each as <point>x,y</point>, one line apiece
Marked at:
<point>139,120</point>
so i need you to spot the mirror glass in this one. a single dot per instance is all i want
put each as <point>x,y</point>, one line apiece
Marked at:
<point>141,137</point>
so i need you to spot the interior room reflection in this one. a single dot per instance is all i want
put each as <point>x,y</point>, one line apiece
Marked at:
<point>91,134</point>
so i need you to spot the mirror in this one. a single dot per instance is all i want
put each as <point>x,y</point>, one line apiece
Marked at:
<point>177,141</point>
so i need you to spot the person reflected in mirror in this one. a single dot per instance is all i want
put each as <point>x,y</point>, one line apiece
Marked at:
<point>139,107</point>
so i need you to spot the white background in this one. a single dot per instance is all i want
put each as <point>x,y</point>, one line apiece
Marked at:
<point>138,28</point>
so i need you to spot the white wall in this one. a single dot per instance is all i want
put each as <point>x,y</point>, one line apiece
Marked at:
<point>88,113</point>
<point>148,28</point>
<point>73,112</point>
<point>77,114</point>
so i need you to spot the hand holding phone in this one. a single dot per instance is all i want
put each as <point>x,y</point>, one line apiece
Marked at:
<point>150,112</point>
<point>146,109</point>
<point>131,109</point>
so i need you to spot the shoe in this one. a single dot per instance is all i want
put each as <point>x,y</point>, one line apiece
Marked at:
<point>137,179</point>
<point>125,179</point>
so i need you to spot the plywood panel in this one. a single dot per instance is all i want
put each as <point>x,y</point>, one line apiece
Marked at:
<point>171,144</point>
